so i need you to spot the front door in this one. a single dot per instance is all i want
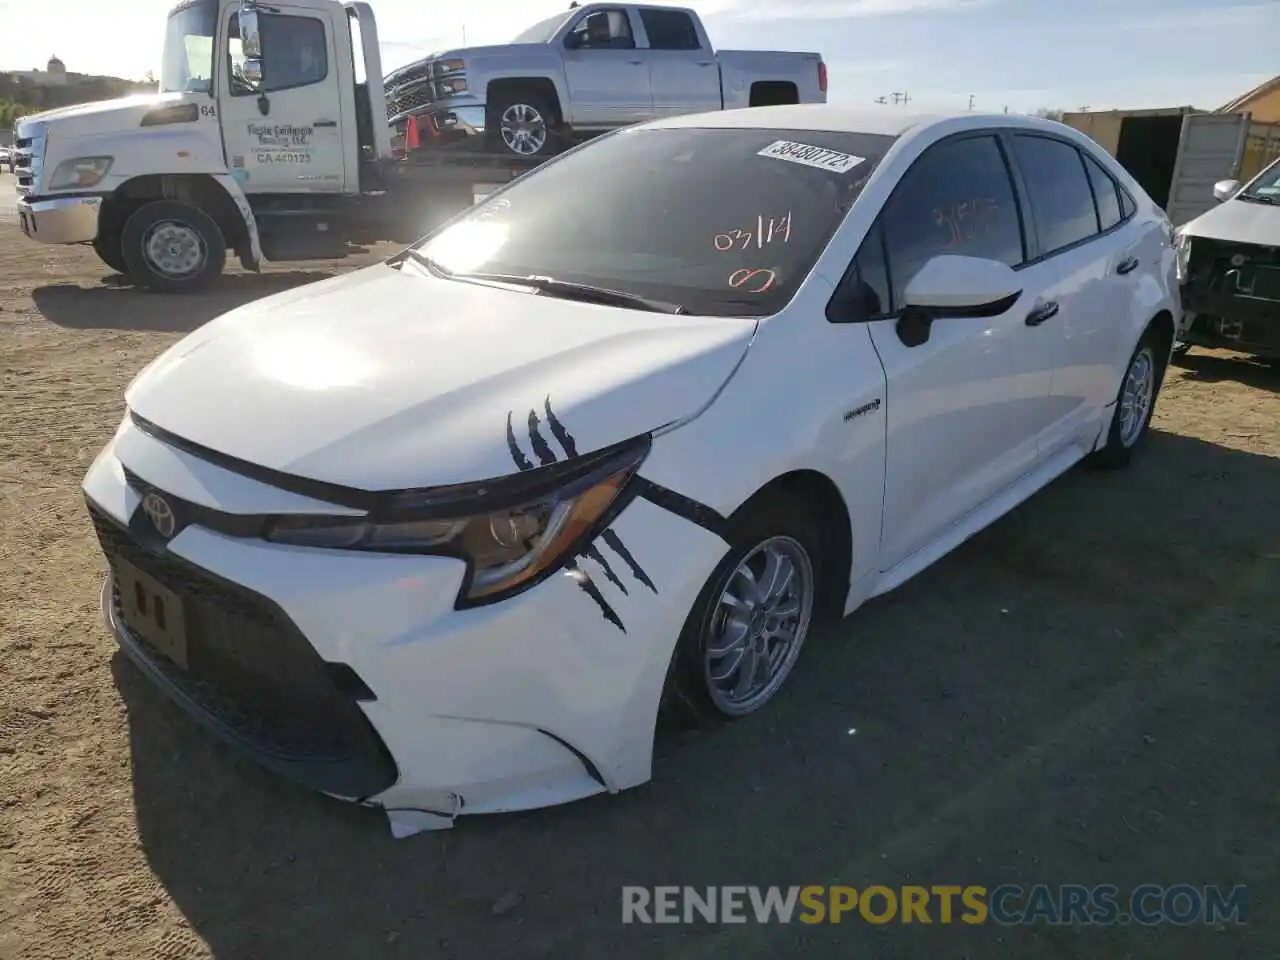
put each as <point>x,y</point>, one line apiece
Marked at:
<point>685,73</point>
<point>964,409</point>
<point>607,77</point>
<point>286,137</point>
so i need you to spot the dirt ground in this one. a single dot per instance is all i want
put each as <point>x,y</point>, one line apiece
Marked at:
<point>1086,693</point>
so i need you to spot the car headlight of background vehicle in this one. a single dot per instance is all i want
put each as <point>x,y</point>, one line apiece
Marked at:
<point>80,172</point>
<point>1182,250</point>
<point>512,533</point>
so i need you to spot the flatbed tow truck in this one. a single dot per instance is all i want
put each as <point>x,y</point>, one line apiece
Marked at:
<point>266,140</point>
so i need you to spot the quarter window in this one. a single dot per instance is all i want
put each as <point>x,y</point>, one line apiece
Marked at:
<point>957,198</point>
<point>1105,191</point>
<point>1059,188</point>
<point>669,30</point>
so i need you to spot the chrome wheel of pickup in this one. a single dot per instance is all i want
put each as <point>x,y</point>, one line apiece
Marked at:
<point>524,129</point>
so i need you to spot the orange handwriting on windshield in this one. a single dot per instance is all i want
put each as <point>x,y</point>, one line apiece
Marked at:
<point>753,280</point>
<point>763,232</point>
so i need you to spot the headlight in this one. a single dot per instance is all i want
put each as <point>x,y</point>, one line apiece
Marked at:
<point>449,66</point>
<point>512,533</point>
<point>80,172</point>
<point>1182,251</point>
<point>452,86</point>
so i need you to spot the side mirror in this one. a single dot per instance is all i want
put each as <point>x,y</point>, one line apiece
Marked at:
<point>250,38</point>
<point>250,74</point>
<point>1225,189</point>
<point>950,286</point>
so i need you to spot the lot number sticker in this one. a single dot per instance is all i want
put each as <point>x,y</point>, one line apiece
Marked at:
<point>811,156</point>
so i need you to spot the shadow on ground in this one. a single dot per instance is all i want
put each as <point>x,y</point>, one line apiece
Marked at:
<point>115,305</point>
<point>1208,368</point>
<point>1084,693</point>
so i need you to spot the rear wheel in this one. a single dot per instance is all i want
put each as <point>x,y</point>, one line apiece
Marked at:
<point>1135,402</point>
<point>751,619</point>
<point>173,247</point>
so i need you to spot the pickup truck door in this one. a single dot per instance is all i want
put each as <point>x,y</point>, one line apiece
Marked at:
<point>296,146</point>
<point>605,71</point>
<point>682,65</point>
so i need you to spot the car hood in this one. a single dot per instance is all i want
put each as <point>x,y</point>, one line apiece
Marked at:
<point>104,116</point>
<point>1238,220</point>
<point>389,378</point>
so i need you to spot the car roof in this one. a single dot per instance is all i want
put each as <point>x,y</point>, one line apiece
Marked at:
<point>884,120</point>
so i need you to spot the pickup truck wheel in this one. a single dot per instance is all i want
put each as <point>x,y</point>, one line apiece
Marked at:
<point>750,621</point>
<point>172,247</point>
<point>109,250</point>
<point>523,125</point>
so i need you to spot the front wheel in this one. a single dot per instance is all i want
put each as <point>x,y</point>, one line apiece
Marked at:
<point>522,125</point>
<point>109,250</point>
<point>172,247</point>
<point>751,619</point>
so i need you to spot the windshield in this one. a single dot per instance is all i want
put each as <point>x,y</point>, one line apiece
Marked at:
<point>724,222</point>
<point>542,31</point>
<point>187,63</point>
<point>1268,184</point>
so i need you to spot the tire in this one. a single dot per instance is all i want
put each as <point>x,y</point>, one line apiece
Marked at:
<point>517,112</point>
<point>691,696</point>
<point>181,267</point>
<point>109,250</point>
<point>1126,434</point>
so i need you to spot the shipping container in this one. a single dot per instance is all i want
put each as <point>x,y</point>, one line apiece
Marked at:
<point>1179,153</point>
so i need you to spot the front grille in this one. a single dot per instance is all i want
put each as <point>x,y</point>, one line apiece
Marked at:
<point>1233,269</point>
<point>251,670</point>
<point>405,99</point>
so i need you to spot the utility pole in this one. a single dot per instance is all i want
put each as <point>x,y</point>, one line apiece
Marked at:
<point>971,101</point>
<point>882,99</point>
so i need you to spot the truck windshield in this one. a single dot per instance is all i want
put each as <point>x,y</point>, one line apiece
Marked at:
<point>542,31</point>
<point>187,62</point>
<point>723,222</point>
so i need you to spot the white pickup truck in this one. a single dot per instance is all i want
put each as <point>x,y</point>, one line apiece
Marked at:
<point>265,141</point>
<point>588,70</point>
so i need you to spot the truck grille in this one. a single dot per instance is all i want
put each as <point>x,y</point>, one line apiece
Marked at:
<point>253,674</point>
<point>410,97</point>
<point>28,161</point>
<point>1234,269</point>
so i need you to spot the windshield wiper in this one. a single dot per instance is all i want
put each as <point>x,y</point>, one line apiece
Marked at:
<point>1257,198</point>
<point>577,291</point>
<point>422,260</point>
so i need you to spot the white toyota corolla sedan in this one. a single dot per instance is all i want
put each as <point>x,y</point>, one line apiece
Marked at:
<point>444,535</point>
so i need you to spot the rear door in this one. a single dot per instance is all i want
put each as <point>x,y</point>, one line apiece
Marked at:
<point>1210,149</point>
<point>682,65</point>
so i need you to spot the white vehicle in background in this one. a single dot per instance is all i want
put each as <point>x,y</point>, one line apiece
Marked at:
<point>444,535</point>
<point>585,71</point>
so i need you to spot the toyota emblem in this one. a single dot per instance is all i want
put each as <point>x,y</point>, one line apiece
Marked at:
<point>160,514</point>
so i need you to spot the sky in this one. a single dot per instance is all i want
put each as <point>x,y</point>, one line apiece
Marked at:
<point>1020,54</point>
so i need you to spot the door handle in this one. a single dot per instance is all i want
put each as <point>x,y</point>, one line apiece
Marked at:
<point>1042,313</point>
<point>705,63</point>
<point>326,123</point>
<point>1127,265</point>
<point>636,62</point>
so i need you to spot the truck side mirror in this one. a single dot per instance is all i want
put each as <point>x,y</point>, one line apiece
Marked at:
<point>250,74</point>
<point>250,39</point>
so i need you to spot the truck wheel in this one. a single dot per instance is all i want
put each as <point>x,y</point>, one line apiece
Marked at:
<point>522,125</point>
<point>172,247</point>
<point>107,247</point>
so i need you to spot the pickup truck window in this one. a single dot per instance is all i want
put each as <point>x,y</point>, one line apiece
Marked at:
<point>724,222</point>
<point>669,29</point>
<point>602,30</point>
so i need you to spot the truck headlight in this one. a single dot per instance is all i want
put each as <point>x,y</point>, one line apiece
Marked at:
<point>451,86</point>
<point>449,66</point>
<point>1182,253</point>
<point>80,172</point>
<point>507,546</point>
